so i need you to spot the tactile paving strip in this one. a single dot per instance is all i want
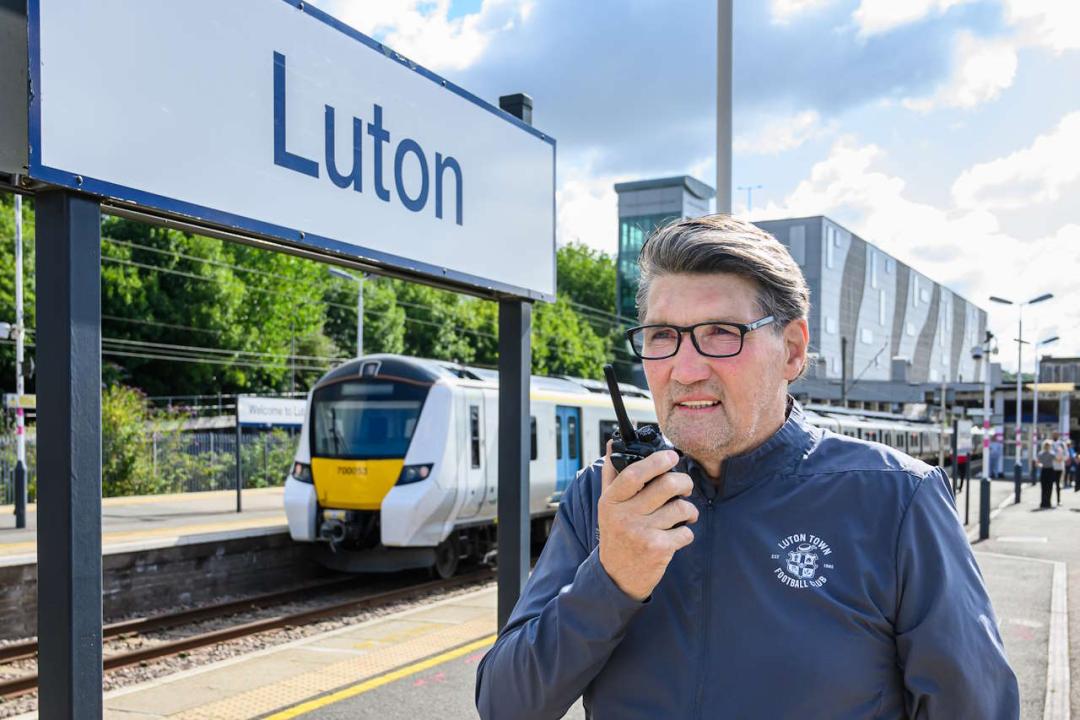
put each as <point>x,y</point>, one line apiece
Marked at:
<point>304,686</point>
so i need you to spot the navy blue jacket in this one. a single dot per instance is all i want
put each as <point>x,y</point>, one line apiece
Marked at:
<point>828,578</point>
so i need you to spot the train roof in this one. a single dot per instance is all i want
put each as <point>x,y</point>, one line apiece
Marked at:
<point>427,370</point>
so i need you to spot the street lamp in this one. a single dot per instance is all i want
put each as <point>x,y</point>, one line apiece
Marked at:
<point>978,352</point>
<point>1019,366</point>
<point>750,198</point>
<point>1035,413</point>
<point>359,280</point>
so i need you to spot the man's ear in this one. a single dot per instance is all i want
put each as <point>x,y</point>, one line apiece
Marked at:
<point>796,339</point>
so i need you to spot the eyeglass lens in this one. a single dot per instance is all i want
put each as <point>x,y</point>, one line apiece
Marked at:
<point>712,339</point>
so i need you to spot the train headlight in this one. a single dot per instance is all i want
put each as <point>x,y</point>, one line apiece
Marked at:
<point>302,472</point>
<point>414,473</point>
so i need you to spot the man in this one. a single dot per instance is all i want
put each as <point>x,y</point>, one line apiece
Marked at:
<point>1060,454</point>
<point>775,570</point>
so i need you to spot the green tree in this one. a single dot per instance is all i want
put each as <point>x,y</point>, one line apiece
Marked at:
<point>125,443</point>
<point>7,285</point>
<point>563,343</point>
<point>586,276</point>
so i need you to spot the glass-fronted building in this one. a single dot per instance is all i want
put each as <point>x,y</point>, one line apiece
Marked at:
<point>645,205</point>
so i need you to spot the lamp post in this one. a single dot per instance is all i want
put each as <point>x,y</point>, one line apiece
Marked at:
<point>978,352</point>
<point>1035,412</point>
<point>750,198</point>
<point>359,280</point>
<point>1019,391</point>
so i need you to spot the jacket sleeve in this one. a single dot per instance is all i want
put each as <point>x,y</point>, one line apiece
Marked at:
<point>569,619</point>
<point>951,654</point>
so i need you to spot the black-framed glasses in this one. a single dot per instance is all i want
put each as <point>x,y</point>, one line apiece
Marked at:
<point>711,339</point>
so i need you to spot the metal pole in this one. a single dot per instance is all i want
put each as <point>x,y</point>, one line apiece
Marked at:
<point>984,489</point>
<point>1019,419</point>
<point>724,41</point>
<point>20,414</point>
<point>515,365</point>
<point>68,262</point>
<point>941,429</point>
<point>515,351</point>
<point>360,316</point>
<point>239,465</point>
<point>955,464</point>
<point>1035,417</point>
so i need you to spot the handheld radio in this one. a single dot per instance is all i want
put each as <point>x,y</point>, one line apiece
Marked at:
<point>630,444</point>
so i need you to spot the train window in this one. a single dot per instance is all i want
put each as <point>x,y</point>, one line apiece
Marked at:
<point>532,434</point>
<point>571,428</point>
<point>474,434</point>
<point>558,437</point>
<point>607,429</point>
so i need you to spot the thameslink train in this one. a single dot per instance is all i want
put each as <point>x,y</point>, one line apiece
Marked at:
<point>397,467</point>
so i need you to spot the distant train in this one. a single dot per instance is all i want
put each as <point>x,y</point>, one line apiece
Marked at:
<point>397,461</point>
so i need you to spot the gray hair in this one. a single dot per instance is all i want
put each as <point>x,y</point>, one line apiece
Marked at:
<point>724,244</point>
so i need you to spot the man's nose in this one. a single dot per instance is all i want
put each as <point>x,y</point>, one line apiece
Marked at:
<point>688,365</point>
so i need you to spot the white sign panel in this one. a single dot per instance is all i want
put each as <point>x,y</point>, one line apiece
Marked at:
<point>271,117</point>
<point>963,437</point>
<point>270,411</point>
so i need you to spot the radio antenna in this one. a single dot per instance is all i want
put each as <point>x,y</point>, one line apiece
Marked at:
<point>626,428</point>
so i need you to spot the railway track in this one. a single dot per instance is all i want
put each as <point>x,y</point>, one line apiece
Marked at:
<point>21,651</point>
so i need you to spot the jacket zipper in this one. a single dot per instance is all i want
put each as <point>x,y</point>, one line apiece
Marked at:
<point>706,601</point>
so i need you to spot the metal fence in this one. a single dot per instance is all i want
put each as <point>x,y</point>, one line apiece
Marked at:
<point>182,462</point>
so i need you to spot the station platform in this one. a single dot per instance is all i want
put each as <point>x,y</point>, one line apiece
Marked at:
<point>422,662</point>
<point>151,521</point>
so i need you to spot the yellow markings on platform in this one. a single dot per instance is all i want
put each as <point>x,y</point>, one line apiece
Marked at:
<point>377,682</point>
<point>354,484</point>
<point>338,676</point>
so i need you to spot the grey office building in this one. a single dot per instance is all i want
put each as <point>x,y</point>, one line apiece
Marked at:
<point>896,323</point>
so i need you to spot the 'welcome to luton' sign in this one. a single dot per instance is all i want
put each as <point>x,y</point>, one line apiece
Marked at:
<point>274,119</point>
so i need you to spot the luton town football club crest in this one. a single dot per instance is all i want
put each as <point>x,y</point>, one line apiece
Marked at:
<point>802,561</point>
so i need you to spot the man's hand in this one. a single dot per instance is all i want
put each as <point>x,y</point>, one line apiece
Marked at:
<point>637,511</point>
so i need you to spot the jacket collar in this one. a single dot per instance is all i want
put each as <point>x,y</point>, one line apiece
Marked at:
<point>779,454</point>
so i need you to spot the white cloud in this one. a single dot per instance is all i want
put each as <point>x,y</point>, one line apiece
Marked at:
<point>963,248</point>
<point>1054,24</point>
<point>879,16</point>
<point>781,134</point>
<point>587,210</point>
<point>783,11</point>
<point>1035,174</point>
<point>422,30</point>
<point>982,69</point>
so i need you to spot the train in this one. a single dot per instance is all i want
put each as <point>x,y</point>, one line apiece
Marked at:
<point>397,462</point>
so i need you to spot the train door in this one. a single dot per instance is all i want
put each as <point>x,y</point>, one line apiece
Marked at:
<point>567,445</point>
<point>471,456</point>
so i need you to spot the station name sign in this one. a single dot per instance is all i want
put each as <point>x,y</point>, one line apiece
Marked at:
<point>282,412</point>
<point>272,119</point>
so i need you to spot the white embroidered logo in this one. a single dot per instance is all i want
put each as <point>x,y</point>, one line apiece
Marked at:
<point>800,564</point>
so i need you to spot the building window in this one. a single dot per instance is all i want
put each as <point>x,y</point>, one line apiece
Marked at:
<point>881,307</point>
<point>830,325</point>
<point>797,243</point>
<point>924,295</point>
<point>632,234</point>
<point>889,265</point>
<point>911,329</point>
<point>873,270</point>
<point>830,252</point>
<point>866,336</point>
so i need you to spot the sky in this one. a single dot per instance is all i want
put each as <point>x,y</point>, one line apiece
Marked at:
<point>946,132</point>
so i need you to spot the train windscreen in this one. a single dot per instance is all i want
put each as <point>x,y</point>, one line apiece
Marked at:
<point>365,419</point>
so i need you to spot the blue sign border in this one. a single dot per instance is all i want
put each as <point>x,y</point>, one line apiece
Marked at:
<point>242,225</point>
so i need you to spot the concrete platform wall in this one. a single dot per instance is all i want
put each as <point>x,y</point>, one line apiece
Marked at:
<point>147,581</point>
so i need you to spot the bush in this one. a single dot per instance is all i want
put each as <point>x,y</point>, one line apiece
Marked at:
<point>125,445</point>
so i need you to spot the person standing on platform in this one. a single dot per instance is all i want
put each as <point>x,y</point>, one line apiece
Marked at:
<point>1073,467</point>
<point>1060,454</point>
<point>997,456</point>
<point>767,568</point>
<point>1047,474</point>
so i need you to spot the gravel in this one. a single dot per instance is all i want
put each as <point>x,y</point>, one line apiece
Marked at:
<point>150,670</point>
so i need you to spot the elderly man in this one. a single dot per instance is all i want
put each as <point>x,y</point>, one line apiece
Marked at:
<point>772,571</point>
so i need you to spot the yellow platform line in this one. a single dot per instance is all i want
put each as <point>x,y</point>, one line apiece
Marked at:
<point>114,538</point>
<point>381,680</point>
